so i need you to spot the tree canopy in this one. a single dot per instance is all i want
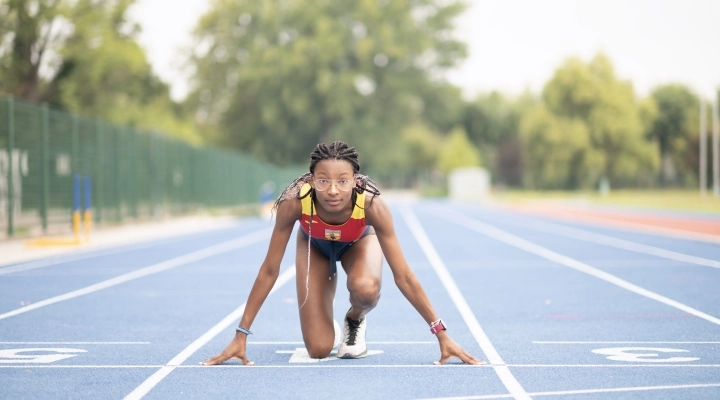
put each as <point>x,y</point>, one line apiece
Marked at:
<point>83,56</point>
<point>589,126</point>
<point>274,78</point>
<point>676,120</point>
<point>458,152</point>
<point>280,76</point>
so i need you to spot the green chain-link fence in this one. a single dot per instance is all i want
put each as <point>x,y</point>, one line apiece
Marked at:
<point>133,174</point>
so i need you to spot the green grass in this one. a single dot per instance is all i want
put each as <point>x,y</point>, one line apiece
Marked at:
<point>433,191</point>
<point>656,199</point>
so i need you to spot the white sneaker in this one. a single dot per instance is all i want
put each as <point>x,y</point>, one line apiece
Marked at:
<point>338,334</point>
<point>353,343</point>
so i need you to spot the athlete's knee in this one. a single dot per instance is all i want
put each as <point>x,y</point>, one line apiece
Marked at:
<point>365,291</point>
<point>319,350</point>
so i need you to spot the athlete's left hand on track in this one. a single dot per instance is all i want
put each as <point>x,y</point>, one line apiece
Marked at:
<point>448,349</point>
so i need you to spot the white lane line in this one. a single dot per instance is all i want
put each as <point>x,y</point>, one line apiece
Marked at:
<point>541,342</point>
<point>584,391</point>
<point>234,316</point>
<point>615,365</point>
<point>503,372</point>
<point>435,342</point>
<point>302,343</point>
<point>502,236</point>
<point>153,269</point>
<point>114,343</point>
<point>278,343</point>
<point>598,238</point>
<point>319,365</point>
<point>67,258</point>
<point>324,365</point>
<point>78,366</point>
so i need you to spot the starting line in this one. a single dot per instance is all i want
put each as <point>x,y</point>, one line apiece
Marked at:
<point>335,365</point>
<point>585,391</point>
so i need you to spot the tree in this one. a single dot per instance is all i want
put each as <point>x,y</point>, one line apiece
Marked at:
<point>82,56</point>
<point>419,151</point>
<point>558,149</point>
<point>458,152</point>
<point>675,119</point>
<point>29,31</point>
<point>492,122</point>
<point>105,73</point>
<point>442,105</point>
<point>279,76</point>
<point>588,99</point>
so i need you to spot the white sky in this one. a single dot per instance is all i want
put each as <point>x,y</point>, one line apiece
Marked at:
<point>517,44</point>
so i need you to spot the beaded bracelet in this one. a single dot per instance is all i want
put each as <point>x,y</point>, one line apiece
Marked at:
<point>243,330</point>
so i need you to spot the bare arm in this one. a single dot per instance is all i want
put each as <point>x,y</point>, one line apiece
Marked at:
<point>380,218</point>
<point>378,215</point>
<point>288,212</point>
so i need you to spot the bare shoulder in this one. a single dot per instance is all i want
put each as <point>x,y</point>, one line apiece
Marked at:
<point>377,211</point>
<point>288,211</point>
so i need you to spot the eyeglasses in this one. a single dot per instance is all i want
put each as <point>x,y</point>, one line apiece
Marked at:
<point>343,185</point>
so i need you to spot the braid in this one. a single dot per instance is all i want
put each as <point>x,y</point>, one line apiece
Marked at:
<point>335,151</point>
<point>292,190</point>
<point>365,184</point>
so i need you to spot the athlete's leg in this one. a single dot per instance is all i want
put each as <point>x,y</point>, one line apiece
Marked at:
<point>363,265</point>
<point>316,315</point>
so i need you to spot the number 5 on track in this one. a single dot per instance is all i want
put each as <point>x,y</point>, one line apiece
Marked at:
<point>643,354</point>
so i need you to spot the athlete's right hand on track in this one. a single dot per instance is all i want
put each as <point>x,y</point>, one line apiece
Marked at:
<point>236,349</point>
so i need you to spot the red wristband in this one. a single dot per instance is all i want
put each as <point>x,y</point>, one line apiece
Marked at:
<point>437,326</point>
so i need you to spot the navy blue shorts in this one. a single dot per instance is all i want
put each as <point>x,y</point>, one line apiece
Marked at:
<point>333,250</point>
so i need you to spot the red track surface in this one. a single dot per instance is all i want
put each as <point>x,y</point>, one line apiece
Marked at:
<point>702,228</point>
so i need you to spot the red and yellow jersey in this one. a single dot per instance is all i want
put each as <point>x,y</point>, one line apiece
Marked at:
<point>350,231</point>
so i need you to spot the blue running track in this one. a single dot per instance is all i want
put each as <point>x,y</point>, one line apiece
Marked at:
<point>560,310</point>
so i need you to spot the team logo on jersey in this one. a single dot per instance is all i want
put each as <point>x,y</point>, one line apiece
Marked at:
<point>331,234</point>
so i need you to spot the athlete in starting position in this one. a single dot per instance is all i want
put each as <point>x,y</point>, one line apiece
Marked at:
<point>342,218</point>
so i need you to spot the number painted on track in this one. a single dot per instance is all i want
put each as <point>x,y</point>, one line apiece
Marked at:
<point>643,354</point>
<point>14,356</point>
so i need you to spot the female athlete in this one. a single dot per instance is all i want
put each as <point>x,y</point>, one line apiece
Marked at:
<point>342,218</point>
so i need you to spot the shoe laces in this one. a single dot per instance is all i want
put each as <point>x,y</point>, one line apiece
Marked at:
<point>352,331</point>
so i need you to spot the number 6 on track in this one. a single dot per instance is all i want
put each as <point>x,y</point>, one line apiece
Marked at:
<point>14,356</point>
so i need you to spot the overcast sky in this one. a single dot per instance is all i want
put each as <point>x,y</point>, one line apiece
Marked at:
<point>517,44</point>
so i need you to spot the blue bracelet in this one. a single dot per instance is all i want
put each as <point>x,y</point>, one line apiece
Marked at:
<point>243,330</point>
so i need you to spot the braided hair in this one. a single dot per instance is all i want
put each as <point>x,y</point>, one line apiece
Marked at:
<point>335,151</point>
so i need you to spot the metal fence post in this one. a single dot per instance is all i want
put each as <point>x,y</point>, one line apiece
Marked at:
<point>45,189</point>
<point>118,172</point>
<point>132,172</point>
<point>11,147</point>
<point>99,171</point>
<point>74,149</point>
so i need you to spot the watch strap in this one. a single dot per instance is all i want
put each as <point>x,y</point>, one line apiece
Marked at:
<point>437,326</point>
